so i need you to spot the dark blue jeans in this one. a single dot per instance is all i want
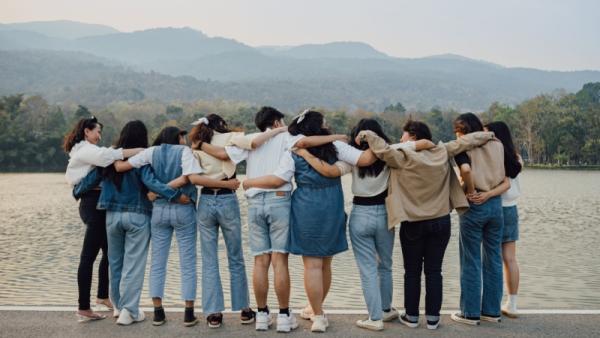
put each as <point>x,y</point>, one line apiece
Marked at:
<point>423,246</point>
<point>481,259</point>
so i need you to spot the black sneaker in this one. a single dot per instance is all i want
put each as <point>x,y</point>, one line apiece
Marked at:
<point>460,318</point>
<point>491,319</point>
<point>247,316</point>
<point>404,320</point>
<point>189,319</point>
<point>159,316</point>
<point>433,324</point>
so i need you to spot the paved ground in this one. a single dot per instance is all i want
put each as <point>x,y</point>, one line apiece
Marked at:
<point>64,324</point>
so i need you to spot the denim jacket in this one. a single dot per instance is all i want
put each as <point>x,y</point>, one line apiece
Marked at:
<point>166,163</point>
<point>132,196</point>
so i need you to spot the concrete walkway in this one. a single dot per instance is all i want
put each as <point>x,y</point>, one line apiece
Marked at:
<point>64,324</point>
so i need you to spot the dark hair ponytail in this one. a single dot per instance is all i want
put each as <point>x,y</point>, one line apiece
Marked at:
<point>374,126</point>
<point>467,123</point>
<point>133,135</point>
<point>77,134</point>
<point>311,125</point>
<point>204,133</point>
<point>512,165</point>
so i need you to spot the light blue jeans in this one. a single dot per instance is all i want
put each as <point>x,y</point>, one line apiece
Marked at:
<point>214,212</point>
<point>481,228</point>
<point>166,218</point>
<point>373,244</point>
<point>269,222</point>
<point>128,235</point>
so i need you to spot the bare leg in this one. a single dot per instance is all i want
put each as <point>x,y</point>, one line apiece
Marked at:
<point>282,279</point>
<point>511,267</point>
<point>326,276</point>
<point>260,279</point>
<point>157,302</point>
<point>313,282</point>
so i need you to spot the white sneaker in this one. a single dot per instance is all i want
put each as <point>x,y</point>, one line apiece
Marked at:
<point>320,323</point>
<point>116,313</point>
<point>390,315</point>
<point>286,323</point>
<point>307,313</point>
<point>263,321</point>
<point>510,311</point>
<point>374,325</point>
<point>125,318</point>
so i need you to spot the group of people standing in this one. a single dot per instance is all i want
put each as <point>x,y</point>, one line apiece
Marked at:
<point>133,194</point>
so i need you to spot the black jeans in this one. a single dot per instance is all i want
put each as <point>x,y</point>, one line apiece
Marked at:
<point>424,244</point>
<point>93,242</point>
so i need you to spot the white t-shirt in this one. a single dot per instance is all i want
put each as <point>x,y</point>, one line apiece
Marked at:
<point>510,197</point>
<point>265,159</point>
<point>84,156</point>
<point>370,186</point>
<point>189,164</point>
<point>345,153</point>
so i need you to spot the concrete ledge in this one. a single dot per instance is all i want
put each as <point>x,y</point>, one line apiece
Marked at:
<point>64,324</point>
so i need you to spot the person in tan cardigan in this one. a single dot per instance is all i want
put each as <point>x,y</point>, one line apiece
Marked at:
<point>482,170</point>
<point>422,191</point>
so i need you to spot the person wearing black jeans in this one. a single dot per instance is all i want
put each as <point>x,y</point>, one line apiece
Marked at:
<point>423,246</point>
<point>93,242</point>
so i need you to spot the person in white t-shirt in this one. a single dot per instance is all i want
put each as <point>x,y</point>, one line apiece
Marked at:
<point>510,190</point>
<point>84,156</point>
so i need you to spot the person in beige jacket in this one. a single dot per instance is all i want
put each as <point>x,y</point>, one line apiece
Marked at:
<point>423,189</point>
<point>482,170</point>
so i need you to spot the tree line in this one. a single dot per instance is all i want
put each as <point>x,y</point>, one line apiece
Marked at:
<point>554,129</point>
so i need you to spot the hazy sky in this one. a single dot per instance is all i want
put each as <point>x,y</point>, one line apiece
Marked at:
<point>547,34</point>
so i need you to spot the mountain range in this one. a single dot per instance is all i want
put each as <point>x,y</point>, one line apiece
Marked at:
<point>97,64</point>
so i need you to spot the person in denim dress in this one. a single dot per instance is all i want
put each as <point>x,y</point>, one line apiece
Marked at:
<point>170,158</point>
<point>317,217</point>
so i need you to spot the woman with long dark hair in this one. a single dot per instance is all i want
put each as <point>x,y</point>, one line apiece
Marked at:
<point>128,212</point>
<point>84,156</point>
<point>317,218</point>
<point>512,166</point>
<point>482,170</point>
<point>170,158</point>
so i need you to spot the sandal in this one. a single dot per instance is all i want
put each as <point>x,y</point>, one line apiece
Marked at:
<point>83,317</point>
<point>104,303</point>
<point>247,316</point>
<point>214,320</point>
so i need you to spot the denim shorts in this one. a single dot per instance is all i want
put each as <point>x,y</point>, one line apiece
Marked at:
<point>269,222</point>
<point>511,224</point>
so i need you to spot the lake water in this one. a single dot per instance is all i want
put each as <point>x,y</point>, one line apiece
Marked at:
<point>41,236</point>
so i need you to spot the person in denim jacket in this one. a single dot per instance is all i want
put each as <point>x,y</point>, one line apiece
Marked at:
<point>170,158</point>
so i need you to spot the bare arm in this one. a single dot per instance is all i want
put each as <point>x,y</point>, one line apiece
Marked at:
<point>263,137</point>
<point>215,151</point>
<point>482,197</point>
<point>131,152</point>
<point>315,141</point>
<point>122,166</point>
<point>178,182</point>
<point>465,174</point>
<point>322,167</point>
<point>264,182</point>
<point>205,181</point>
<point>366,158</point>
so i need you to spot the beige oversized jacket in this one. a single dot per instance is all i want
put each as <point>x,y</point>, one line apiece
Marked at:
<point>423,184</point>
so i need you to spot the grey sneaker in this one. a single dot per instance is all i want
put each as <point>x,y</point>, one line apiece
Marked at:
<point>388,316</point>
